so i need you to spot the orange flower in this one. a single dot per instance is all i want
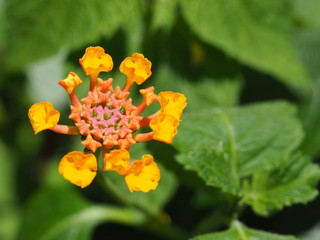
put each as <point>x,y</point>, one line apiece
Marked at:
<point>43,116</point>
<point>108,120</point>
<point>143,175</point>
<point>79,168</point>
<point>95,60</point>
<point>136,67</point>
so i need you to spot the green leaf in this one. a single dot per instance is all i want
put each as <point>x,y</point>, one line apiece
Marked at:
<point>239,141</point>
<point>54,27</point>
<point>54,214</point>
<point>201,94</point>
<point>253,32</point>
<point>293,182</point>
<point>241,232</point>
<point>307,12</point>
<point>164,14</point>
<point>309,44</point>
<point>249,146</point>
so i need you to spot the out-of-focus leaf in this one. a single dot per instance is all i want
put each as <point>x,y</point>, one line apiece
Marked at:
<point>293,182</point>
<point>236,27</point>
<point>2,24</point>
<point>9,212</point>
<point>153,201</point>
<point>307,13</point>
<point>239,231</point>
<point>200,94</point>
<point>54,214</point>
<point>38,29</point>
<point>43,77</point>
<point>164,14</point>
<point>309,47</point>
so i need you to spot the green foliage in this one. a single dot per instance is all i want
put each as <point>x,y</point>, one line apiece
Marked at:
<point>54,214</point>
<point>54,27</point>
<point>239,231</point>
<point>230,151</point>
<point>249,148</point>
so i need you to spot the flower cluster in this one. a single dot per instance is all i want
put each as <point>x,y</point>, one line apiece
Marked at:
<point>107,119</point>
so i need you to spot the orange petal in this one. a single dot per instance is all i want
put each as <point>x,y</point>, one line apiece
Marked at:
<point>172,103</point>
<point>79,168</point>
<point>95,60</point>
<point>143,175</point>
<point>71,82</point>
<point>43,116</point>
<point>136,67</point>
<point>164,127</point>
<point>117,160</point>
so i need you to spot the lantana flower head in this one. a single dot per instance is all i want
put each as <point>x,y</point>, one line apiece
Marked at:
<point>107,120</point>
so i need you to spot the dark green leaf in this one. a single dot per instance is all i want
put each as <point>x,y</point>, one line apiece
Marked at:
<point>54,214</point>
<point>240,232</point>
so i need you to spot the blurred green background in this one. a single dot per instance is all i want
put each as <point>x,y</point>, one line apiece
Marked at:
<point>219,53</point>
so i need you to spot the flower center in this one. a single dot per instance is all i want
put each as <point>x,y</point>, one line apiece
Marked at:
<point>106,116</point>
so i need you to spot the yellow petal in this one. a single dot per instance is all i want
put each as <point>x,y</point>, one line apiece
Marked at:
<point>117,160</point>
<point>136,67</point>
<point>143,175</point>
<point>71,82</point>
<point>172,103</point>
<point>43,116</point>
<point>95,60</point>
<point>164,127</point>
<point>78,168</point>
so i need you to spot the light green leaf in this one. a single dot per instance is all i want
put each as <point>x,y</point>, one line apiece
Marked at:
<point>164,14</point>
<point>307,13</point>
<point>293,182</point>
<point>74,25</point>
<point>240,232</point>
<point>54,214</point>
<point>249,31</point>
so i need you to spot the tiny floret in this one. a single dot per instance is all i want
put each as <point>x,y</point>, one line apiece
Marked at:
<point>109,123</point>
